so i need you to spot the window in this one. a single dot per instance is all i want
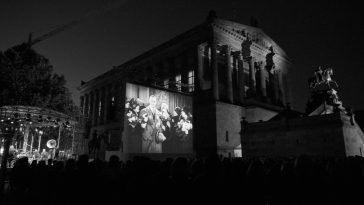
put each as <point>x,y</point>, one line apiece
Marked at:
<point>178,82</point>
<point>227,136</point>
<point>112,109</point>
<point>99,113</point>
<point>191,81</point>
<point>112,101</point>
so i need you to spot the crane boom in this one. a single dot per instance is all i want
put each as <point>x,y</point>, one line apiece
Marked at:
<point>52,33</point>
<point>73,23</point>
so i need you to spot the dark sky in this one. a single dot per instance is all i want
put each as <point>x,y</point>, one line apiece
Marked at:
<point>325,33</point>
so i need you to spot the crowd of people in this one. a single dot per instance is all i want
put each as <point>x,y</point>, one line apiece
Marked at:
<point>301,180</point>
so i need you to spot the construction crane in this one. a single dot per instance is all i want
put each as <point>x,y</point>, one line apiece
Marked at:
<point>110,6</point>
<point>43,37</point>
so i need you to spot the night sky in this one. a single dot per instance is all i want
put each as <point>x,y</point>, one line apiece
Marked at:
<point>312,33</point>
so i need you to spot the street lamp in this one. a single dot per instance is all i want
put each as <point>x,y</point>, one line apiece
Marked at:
<point>7,130</point>
<point>39,139</point>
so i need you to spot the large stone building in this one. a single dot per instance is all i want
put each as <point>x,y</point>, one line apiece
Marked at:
<point>230,70</point>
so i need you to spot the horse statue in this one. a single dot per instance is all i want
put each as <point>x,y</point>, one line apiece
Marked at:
<point>322,77</point>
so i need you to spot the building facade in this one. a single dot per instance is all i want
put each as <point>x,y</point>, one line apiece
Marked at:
<point>230,71</point>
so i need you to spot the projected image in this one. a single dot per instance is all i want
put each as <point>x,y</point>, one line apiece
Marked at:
<point>157,121</point>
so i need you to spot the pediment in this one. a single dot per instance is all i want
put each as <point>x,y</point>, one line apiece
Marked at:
<point>257,35</point>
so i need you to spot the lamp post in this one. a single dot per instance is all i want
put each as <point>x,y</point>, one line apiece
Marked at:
<point>58,140</point>
<point>39,139</point>
<point>7,131</point>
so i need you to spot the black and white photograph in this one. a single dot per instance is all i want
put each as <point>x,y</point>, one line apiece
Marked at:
<point>181,101</point>
<point>157,121</point>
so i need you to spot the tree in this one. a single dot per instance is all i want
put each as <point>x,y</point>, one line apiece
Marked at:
<point>27,78</point>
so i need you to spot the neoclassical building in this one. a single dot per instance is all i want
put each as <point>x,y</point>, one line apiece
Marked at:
<point>230,71</point>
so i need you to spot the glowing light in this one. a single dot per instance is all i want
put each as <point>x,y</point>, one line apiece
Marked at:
<point>2,150</point>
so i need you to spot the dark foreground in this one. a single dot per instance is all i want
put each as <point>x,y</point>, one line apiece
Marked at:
<point>303,180</point>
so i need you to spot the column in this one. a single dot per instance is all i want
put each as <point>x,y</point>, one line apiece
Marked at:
<point>87,105</point>
<point>276,86</point>
<point>39,141</point>
<point>31,143</point>
<point>263,85</point>
<point>241,80</point>
<point>271,85</point>
<point>92,104</point>
<point>186,65</point>
<point>229,80</point>
<point>252,73</point>
<point>112,109</point>
<point>281,87</point>
<point>200,82</point>
<point>26,135</point>
<point>215,77</point>
<point>82,105</point>
<point>102,100</point>
<point>95,107</point>
<point>107,104</point>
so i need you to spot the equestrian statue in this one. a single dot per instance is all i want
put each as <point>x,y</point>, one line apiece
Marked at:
<point>322,77</point>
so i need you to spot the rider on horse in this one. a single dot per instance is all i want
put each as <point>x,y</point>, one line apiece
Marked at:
<point>322,77</point>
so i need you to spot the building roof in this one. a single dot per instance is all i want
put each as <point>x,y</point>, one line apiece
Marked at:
<point>286,114</point>
<point>231,27</point>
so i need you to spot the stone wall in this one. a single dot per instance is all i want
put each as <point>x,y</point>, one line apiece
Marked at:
<point>228,127</point>
<point>323,135</point>
<point>318,135</point>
